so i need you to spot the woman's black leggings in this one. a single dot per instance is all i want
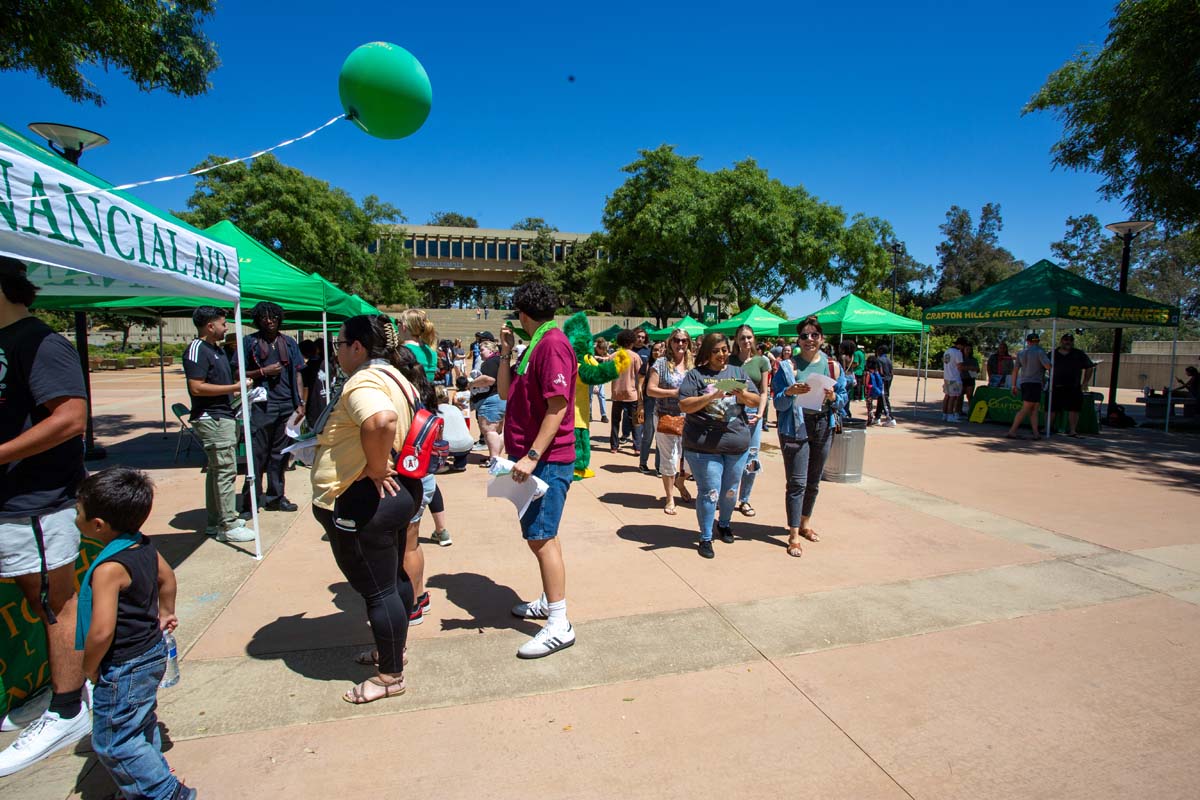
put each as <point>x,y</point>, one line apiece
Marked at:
<point>436,504</point>
<point>367,535</point>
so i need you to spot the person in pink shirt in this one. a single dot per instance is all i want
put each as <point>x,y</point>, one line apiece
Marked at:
<point>539,436</point>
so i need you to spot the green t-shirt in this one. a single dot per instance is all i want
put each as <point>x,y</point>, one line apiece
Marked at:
<point>755,368</point>
<point>426,357</point>
<point>860,362</point>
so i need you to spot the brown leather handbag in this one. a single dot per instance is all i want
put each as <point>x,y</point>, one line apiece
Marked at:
<point>671,424</point>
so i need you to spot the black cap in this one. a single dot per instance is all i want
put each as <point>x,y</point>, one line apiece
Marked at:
<point>11,267</point>
<point>1032,336</point>
<point>488,335</point>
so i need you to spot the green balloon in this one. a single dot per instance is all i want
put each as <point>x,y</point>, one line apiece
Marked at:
<point>385,90</point>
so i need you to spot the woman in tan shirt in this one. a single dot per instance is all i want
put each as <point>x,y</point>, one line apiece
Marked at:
<point>357,497</point>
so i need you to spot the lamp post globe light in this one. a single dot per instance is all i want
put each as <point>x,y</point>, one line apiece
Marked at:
<point>1125,231</point>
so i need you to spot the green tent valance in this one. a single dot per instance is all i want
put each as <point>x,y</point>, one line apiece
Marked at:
<point>761,321</point>
<point>853,316</point>
<point>1037,296</point>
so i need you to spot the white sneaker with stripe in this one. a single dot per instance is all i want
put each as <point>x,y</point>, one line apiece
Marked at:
<point>548,640</point>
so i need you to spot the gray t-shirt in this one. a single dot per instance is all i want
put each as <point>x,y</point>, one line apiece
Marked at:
<point>721,426</point>
<point>1032,363</point>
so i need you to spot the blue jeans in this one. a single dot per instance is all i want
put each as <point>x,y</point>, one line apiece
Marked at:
<point>125,728</point>
<point>646,439</point>
<point>543,515</point>
<point>717,477</point>
<point>598,391</point>
<point>749,477</point>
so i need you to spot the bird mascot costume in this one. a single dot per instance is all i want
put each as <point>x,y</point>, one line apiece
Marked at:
<point>591,373</point>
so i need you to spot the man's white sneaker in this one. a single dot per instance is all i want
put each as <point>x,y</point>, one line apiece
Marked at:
<point>20,717</point>
<point>45,735</point>
<point>534,609</point>
<point>891,423</point>
<point>548,640</point>
<point>237,533</point>
<point>479,447</point>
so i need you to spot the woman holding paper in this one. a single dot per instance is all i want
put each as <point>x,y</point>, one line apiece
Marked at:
<point>803,389</point>
<point>714,397</point>
<point>359,500</point>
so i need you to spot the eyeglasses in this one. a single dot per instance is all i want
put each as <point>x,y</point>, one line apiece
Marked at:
<point>679,341</point>
<point>806,336</point>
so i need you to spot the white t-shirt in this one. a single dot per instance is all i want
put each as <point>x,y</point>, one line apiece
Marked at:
<point>454,428</point>
<point>950,363</point>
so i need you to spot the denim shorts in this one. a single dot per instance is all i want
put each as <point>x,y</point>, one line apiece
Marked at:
<point>491,409</point>
<point>428,487</point>
<point>541,519</point>
<point>18,545</point>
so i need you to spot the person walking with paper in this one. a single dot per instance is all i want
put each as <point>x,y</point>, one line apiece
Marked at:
<point>539,436</point>
<point>805,397</point>
<point>714,397</point>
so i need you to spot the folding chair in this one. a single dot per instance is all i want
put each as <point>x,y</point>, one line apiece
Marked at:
<point>181,413</point>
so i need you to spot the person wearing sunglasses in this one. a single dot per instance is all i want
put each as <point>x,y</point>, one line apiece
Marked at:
<point>715,396</point>
<point>666,376</point>
<point>805,434</point>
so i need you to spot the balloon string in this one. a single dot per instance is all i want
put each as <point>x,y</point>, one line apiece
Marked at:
<point>201,171</point>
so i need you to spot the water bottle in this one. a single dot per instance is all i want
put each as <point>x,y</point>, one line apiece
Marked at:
<point>171,676</point>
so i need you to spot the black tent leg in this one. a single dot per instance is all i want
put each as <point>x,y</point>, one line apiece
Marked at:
<point>90,452</point>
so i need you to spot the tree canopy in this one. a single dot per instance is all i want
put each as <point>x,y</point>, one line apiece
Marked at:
<point>452,219</point>
<point>317,227</point>
<point>1131,112</point>
<point>158,45</point>
<point>970,257</point>
<point>679,237</point>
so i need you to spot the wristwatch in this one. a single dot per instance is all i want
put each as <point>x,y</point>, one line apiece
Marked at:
<point>534,454</point>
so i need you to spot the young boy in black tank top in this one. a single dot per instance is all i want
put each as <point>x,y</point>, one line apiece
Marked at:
<point>125,603</point>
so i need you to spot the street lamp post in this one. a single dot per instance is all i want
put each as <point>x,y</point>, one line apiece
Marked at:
<point>1126,231</point>
<point>897,253</point>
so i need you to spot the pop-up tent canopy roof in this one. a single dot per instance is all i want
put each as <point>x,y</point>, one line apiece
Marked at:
<point>608,333</point>
<point>1043,294</point>
<point>761,321</point>
<point>688,324</point>
<point>52,212</point>
<point>853,316</point>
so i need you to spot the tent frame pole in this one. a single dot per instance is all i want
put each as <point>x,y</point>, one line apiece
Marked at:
<point>925,363</point>
<point>1171,376</point>
<point>250,477</point>
<point>162,377</point>
<point>325,348</point>
<point>917,393</point>
<point>1050,393</point>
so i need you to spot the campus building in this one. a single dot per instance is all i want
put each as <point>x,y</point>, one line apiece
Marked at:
<point>475,256</point>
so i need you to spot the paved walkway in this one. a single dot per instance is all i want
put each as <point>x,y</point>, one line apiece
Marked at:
<point>983,619</point>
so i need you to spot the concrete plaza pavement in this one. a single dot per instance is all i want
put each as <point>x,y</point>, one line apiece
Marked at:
<point>983,618</point>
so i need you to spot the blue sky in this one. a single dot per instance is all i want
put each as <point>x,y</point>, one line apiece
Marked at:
<point>894,110</point>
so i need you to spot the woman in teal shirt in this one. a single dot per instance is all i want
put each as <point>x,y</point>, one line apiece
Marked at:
<point>420,336</point>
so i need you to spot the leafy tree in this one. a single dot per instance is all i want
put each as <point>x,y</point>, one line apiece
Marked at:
<point>971,257</point>
<point>124,323</point>
<point>654,220</point>
<point>304,220</point>
<point>158,45</point>
<point>1130,111</point>
<point>452,219</point>
<point>533,224</point>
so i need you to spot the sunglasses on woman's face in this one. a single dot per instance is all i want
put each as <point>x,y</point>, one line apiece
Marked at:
<point>679,341</point>
<point>806,336</point>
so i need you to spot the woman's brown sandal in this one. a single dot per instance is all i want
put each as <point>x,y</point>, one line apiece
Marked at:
<point>793,548</point>
<point>358,695</point>
<point>810,534</point>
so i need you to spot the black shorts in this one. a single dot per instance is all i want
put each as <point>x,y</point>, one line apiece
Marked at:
<point>1031,392</point>
<point>1067,398</point>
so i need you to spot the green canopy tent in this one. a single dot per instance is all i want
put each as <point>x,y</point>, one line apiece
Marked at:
<point>1045,295</point>
<point>853,316</point>
<point>688,324</point>
<point>646,326</point>
<point>761,321</point>
<point>608,333</point>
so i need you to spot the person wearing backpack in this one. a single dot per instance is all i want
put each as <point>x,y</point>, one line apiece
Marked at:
<point>805,435</point>
<point>358,497</point>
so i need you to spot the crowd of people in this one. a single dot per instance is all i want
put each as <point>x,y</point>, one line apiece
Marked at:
<point>699,406</point>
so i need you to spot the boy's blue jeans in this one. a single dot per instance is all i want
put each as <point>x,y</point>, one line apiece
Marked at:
<point>717,479</point>
<point>125,728</point>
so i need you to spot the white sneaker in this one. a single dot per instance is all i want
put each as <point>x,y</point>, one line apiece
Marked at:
<point>547,641</point>
<point>45,735</point>
<point>238,533</point>
<point>891,423</point>
<point>479,447</point>
<point>534,609</point>
<point>442,538</point>
<point>34,707</point>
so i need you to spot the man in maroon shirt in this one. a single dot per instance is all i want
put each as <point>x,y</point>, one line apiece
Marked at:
<point>539,436</point>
